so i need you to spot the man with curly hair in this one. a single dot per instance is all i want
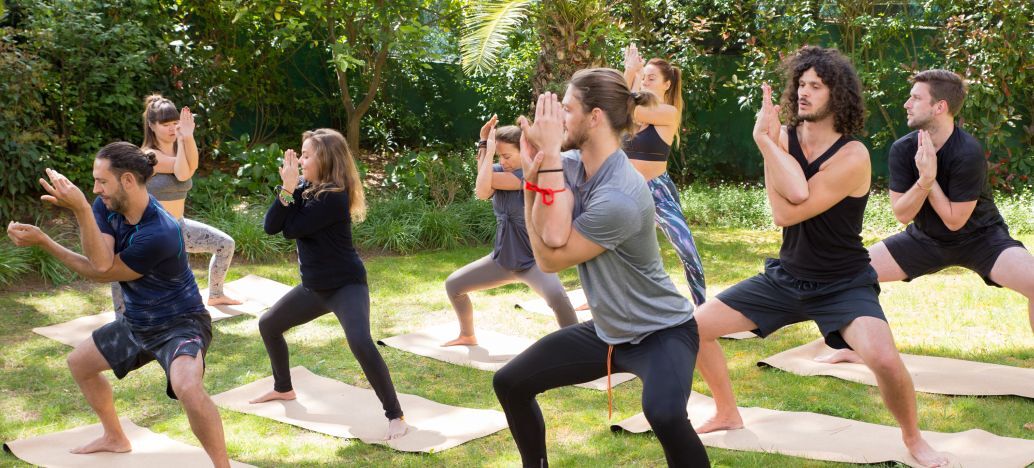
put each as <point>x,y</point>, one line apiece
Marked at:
<point>817,178</point>
<point>939,188</point>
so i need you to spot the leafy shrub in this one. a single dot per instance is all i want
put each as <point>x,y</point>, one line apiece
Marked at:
<point>14,262</point>
<point>434,175</point>
<point>392,224</point>
<point>243,222</point>
<point>257,165</point>
<point>734,206</point>
<point>442,228</point>
<point>478,218</point>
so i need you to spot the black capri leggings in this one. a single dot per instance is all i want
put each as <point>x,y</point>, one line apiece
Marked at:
<point>664,361</point>
<point>351,305</point>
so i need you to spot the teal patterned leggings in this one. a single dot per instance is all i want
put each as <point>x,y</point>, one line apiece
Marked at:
<point>669,217</point>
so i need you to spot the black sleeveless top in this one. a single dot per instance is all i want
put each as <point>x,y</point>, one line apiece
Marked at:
<point>827,247</point>
<point>647,145</point>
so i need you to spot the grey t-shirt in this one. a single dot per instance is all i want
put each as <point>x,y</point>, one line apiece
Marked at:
<point>512,246</point>
<point>628,290</point>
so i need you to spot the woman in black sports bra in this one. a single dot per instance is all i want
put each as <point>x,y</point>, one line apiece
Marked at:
<point>648,150</point>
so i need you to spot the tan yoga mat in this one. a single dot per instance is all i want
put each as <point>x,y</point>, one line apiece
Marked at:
<point>821,437</point>
<point>929,374</point>
<point>341,410</point>
<point>257,293</point>
<point>493,351</point>
<point>577,296</point>
<point>150,450</point>
<point>539,306</point>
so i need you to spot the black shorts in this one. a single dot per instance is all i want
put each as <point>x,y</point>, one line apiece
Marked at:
<point>775,299</point>
<point>127,348</point>
<point>917,254</point>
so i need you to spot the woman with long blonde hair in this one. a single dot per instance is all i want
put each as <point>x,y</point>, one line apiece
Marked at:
<point>317,211</point>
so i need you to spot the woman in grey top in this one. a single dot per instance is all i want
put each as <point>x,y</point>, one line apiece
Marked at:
<point>169,134</point>
<point>511,259</point>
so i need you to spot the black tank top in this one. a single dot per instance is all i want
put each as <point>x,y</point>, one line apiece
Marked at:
<point>647,145</point>
<point>827,247</point>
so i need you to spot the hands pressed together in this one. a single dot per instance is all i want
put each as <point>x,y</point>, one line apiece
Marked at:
<point>767,124</point>
<point>542,139</point>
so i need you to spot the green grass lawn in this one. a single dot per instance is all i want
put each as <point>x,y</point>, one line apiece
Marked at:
<point>948,314</point>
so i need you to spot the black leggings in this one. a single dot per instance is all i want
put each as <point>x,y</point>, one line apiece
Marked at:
<point>664,361</point>
<point>351,305</point>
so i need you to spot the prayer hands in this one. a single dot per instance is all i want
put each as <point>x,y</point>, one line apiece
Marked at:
<point>531,158</point>
<point>768,117</point>
<point>185,126</point>
<point>541,140</point>
<point>62,192</point>
<point>926,159</point>
<point>633,62</point>
<point>289,171</point>
<point>488,126</point>
<point>25,235</point>
<point>490,146</point>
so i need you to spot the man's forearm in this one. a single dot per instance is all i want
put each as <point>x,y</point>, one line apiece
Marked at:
<point>907,206</point>
<point>97,252</point>
<point>784,173</point>
<point>74,261</point>
<point>553,221</point>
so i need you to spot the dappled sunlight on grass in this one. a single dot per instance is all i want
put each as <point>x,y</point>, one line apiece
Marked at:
<point>948,314</point>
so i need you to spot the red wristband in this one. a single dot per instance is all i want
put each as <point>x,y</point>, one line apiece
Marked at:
<point>548,194</point>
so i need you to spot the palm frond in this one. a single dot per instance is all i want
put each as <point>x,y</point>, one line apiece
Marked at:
<point>485,32</point>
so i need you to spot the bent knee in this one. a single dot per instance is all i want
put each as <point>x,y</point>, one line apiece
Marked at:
<point>666,414</point>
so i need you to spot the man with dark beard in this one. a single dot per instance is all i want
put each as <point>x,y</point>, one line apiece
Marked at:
<point>938,186</point>
<point>127,237</point>
<point>817,179</point>
<point>590,208</point>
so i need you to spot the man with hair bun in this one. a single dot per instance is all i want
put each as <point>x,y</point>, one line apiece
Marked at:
<point>817,177</point>
<point>589,207</point>
<point>127,237</point>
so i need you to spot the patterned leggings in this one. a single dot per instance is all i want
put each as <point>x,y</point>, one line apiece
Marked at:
<point>671,220</point>
<point>197,238</point>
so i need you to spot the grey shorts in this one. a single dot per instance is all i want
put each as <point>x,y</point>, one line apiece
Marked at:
<point>775,299</point>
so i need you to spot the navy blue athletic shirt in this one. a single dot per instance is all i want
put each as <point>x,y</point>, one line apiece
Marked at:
<point>322,229</point>
<point>153,248</point>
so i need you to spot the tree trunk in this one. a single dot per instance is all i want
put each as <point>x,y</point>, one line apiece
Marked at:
<point>565,46</point>
<point>352,133</point>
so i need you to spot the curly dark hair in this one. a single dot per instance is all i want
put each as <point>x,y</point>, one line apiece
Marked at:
<point>845,88</point>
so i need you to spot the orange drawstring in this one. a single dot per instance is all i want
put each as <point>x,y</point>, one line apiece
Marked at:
<point>610,392</point>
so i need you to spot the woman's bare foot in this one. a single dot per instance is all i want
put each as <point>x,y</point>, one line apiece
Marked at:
<point>462,341</point>
<point>396,428</point>
<point>840,355</point>
<point>105,443</point>
<point>274,395</point>
<point>582,307</point>
<point>223,300</point>
<point>926,455</point>
<point>721,423</point>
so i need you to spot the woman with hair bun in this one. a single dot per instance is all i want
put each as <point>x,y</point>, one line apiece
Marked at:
<point>169,134</point>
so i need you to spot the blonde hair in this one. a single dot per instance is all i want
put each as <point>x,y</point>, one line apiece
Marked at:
<point>337,170</point>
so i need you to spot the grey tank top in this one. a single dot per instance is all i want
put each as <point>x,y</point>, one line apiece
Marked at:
<point>166,187</point>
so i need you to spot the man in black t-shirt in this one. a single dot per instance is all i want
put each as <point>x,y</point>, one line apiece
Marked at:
<point>938,183</point>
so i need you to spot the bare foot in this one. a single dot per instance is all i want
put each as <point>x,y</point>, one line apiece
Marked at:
<point>223,300</point>
<point>926,455</point>
<point>274,395</point>
<point>105,443</point>
<point>462,341</point>
<point>840,355</point>
<point>582,307</point>
<point>396,428</point>
<point>721,423</point>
